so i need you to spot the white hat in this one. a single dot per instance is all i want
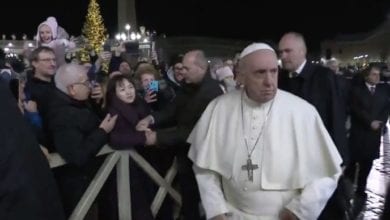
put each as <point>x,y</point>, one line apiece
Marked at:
<point>52,23</point>
<point>255,47</point>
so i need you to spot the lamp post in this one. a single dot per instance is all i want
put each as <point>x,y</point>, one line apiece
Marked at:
<point>138,36</point>
<point>123,37</point>
<point>127,27</point>
<point>118,37</point>
<point>133,36</point>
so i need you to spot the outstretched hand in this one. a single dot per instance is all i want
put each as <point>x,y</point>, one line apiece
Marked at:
<point>108,123</point>
<point>143,125</point>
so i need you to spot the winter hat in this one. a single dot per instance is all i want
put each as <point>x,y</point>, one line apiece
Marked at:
<point>255,47</point>
<point>52,23</point>
<point>223,73</point>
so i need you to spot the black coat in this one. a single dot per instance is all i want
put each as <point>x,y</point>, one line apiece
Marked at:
<point>27,186</point>
<point>318,85</point>
<point>40,91</point>
<point>365,108</point>
<point>74,128</point>
<point>185,110</point>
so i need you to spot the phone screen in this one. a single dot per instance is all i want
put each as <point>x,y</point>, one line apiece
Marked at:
<point>153,86</point>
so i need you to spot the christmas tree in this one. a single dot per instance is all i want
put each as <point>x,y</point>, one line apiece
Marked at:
<point>94,29</point>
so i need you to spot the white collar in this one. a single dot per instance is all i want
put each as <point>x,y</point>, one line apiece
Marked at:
<point>370,85</point>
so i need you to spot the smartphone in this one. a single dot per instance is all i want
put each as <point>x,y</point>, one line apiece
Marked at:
<point>153,86</point>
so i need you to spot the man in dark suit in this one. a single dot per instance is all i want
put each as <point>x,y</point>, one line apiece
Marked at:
<point>369,113</point>
<point>317,85</point>
<point>186,109</point>
<point>314,83</point>
<point>27,186</point>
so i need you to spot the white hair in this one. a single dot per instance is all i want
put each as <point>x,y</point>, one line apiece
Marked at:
<point>67,75</point>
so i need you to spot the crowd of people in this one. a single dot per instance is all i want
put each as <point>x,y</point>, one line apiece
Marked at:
<point>253,139</point>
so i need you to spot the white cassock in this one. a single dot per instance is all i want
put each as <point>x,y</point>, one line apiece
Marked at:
<point>298,162</point>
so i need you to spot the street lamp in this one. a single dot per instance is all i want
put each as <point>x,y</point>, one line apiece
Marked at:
<point>123,36</point>
<point>127,27</point>
<point>118,37</point>
<point>132,36</point>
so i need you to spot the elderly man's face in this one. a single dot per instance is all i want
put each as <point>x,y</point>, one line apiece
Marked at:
<point>260,75</point>
<point>192,73</point>
<point>45,65</point>
<point>292,53</point>
<point>82,88</point>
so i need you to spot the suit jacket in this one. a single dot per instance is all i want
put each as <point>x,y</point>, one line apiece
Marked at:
<point>27,186</point>
<point>185,111</point>
<point>365,108</point>
<point>318,85</point>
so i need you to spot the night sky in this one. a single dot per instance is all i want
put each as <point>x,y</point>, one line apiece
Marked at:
<point>247,20</point>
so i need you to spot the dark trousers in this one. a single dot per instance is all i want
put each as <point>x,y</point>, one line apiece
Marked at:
<point>188,187</point>
<point>161,160</point>
<point>364,170</point>
<point>190,195</point>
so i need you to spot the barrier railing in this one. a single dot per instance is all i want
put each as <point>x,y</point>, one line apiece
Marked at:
<point>120,159</point>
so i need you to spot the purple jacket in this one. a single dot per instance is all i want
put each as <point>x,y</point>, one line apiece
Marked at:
<point>124,135</point>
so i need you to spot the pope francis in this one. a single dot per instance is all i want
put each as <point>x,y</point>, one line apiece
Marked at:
<point>260,152</point>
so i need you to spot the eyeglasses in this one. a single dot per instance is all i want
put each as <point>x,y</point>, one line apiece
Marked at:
<point>85,83</point>
<point>46,60</point>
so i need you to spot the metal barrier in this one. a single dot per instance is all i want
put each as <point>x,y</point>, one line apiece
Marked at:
<point>120,159</point>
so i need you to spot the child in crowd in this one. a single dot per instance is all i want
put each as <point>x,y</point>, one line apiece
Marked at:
<point>51,35</point>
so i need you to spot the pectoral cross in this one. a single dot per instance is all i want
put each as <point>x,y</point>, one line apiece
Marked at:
<point>249,167</point>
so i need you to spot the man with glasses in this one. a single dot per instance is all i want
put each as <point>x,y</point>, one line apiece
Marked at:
<point>39,85</point>
<point>77,131</point>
